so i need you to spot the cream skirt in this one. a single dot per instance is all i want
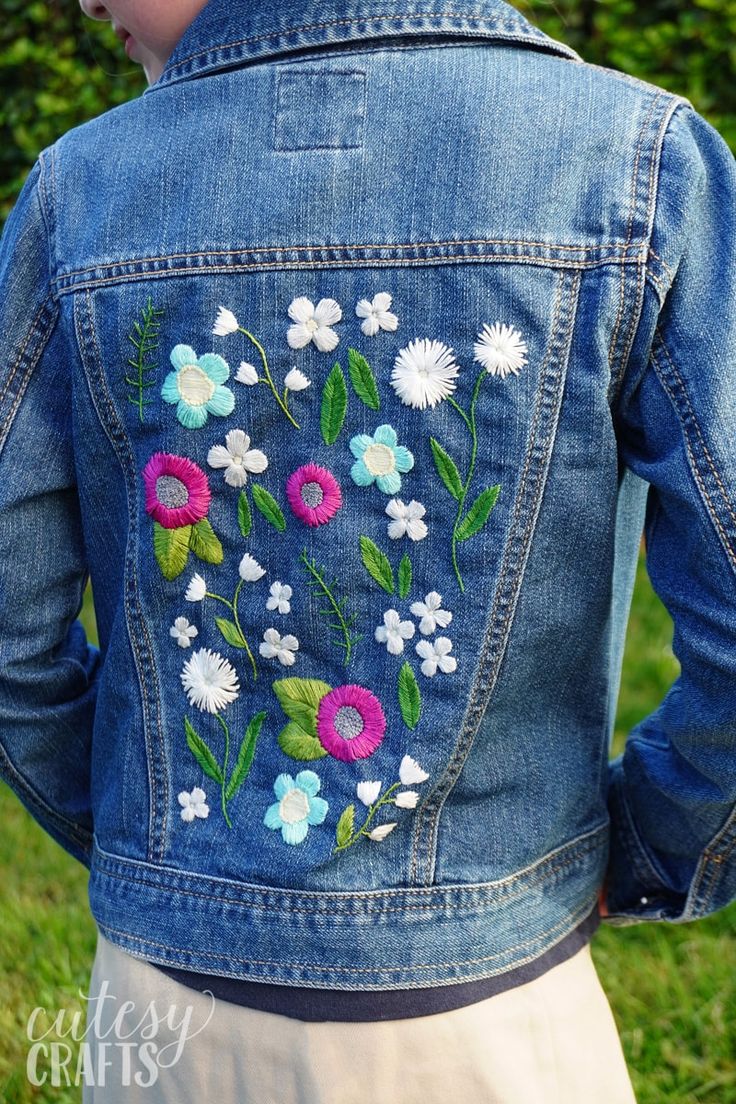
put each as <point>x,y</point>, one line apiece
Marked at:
<point>552,1040</point>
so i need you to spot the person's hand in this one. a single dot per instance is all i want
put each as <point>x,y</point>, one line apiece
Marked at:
<point>602,907</point>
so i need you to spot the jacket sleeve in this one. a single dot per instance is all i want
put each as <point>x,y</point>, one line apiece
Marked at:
<point>672,792</point>
<point>48,670</point>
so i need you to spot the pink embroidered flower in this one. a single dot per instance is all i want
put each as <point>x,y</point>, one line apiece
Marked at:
<point>350,722</point>
<point>313,493</point>
<point>177,491</point>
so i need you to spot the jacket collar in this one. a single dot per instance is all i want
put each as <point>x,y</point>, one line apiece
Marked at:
<point>227,33</point>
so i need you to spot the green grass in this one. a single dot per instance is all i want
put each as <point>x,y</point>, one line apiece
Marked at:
<point>672,987</point>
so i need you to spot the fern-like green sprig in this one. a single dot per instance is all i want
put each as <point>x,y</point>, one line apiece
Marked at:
<point>343,622</point>
<point>144,339</point>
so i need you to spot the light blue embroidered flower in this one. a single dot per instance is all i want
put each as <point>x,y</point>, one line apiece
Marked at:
<point>297,806</point>
<point>196,386</point>
<point>380,459</point>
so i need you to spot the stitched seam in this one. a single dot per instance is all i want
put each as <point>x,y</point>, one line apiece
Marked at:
<point>670,271</point>
<point>74,831</point>
<point>19,358</point>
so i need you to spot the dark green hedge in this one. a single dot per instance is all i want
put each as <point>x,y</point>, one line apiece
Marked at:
<point>58,68</point>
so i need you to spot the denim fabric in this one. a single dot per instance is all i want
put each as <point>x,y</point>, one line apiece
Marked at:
<point>480,174</point>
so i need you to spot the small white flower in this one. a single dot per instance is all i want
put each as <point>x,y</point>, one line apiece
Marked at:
<point>406,519</point>
<point>209,680</point>
<point>407,799</point>
<point>424,373</point>
<point>225,323</point>
<point>197,589</point>
<point>280,595</point>
<point>499,349</point>
<point>237,458</point>
<point>193,804</point>
<point>313,323</point>
<point>296,380</point>
<point>376,315</point>
<point>435,655</point>
<point>277,646</point>
<point>250,569</point>
<point>183,632</point>
<point>431,614</point>
<point>382,830</point>
<point>410,772</point>
<point>368,791</point>
<point>393,632</point>
<point>246,373</point>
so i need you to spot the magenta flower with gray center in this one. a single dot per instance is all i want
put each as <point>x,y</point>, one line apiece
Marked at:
<point>350,722</point>
<point>313,494</point>
<point>177,490</point>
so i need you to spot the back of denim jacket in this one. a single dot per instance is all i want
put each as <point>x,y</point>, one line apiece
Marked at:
<point>334,363</point>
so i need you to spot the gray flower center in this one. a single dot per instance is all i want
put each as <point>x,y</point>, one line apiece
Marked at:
<point>348,722</point>
<point>312,493</point>
<point>171,492</point>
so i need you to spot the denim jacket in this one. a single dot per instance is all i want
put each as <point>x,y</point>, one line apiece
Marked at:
<point>350,361</point>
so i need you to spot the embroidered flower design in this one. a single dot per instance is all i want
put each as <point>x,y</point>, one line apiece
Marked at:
<point>177,491</point>
<point>246,373</point>
<point>196,589</point>
<point>350,722</point>
<point>280,595</point>
<point>375,314</point>
<point>407,519</point>
<point>196,386</point>
<point>393,632</point>
<point>435,656</point>
<point>500,349</point>
<point>424,373</point>
<point>237,458</point>
<point>380,459</point>
<point>249,569</point>
<point>410,772</point>
<point>431,613</point>
<point>313,323</point>
<point>225,323</point>
<point>276,646</point>
<point>209,680</point>
<point>193,804</point>
<point>368,793</point>
<point>297,806</point>
<point>295,380</point>
<point>183,632</point>
<point>313,494</point>
<point>382,831</point>
<point>406,799</point>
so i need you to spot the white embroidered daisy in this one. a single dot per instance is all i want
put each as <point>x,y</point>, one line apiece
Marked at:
<point>410,772</point>
<point>280,595</point>
<point>393,632</point>
<point>276,646</point>
<point>183,632</point>
<point>406,799</point>
<point>407,519</point>
<point>431,613</point>
<point>225,323</point>
<point>196,589</point>
<point>210,681</point>
<point>500,349</point>
<point>313,323</point>
<point>368,792</point>
<point>296,380</point>
<point>249,568</point>
<point>237,458</point>
<point>375,314</point>
<point>435,656</point>
<point>246,373</point>
<point>424,373</point>
<point>193,804</point>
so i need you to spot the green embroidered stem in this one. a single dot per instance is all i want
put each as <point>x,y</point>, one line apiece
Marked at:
<point>470,423</point>
<point>223,802</point>
<point>336,605</point>
<point>238,641</point>
<point>146,342</point>
<point>385,800</point>
<point>269,380</point>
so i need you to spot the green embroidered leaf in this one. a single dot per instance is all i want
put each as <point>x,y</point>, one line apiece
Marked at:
<point>362,379</point>
<point>245,756</point>
<point>204,543</point>
<point>404,576</point>
<point>300,699</point>
<point>410,700</point>
<point>171,547</point>
<point>202,753</point>
<point>245,517</point>
<point>345,825</point>
<point>334,405</point>
<point>269,507</point>
<point>377,564</point>
<point>297,743</point>
<point>477,515</point>
<point>230,631</point>
<point>448,471</point>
